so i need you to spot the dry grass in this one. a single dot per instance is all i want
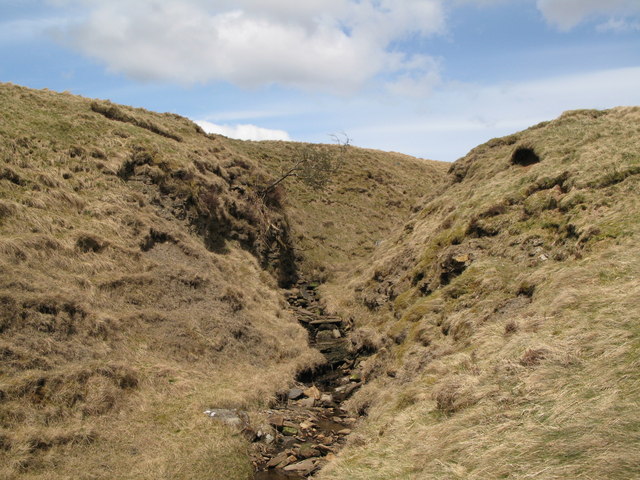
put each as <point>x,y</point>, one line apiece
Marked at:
<point>139,282</point>
<point>133,293</point>
<point>522,364</point>
<point>139,276</point>
<point>369,196</point>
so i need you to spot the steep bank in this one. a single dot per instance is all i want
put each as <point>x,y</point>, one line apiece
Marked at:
<point>370,197</point>
<point>505,315</point>
<point>139,286</point>
<point>133,292</point>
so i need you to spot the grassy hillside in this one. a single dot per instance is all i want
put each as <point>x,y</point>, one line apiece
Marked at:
<point>132,293</point>
<point>370,195</point>
<point>505,315</point>
<point>139,272</point>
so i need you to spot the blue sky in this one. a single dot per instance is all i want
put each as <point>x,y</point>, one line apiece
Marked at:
<point>431,78</point>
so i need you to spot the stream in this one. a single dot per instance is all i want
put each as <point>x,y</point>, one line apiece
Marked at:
<point>309,426</point>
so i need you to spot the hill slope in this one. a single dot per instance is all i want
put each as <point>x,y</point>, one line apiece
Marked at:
<point>139,272</point>
<point>506,315</point>
<point>338,226</point>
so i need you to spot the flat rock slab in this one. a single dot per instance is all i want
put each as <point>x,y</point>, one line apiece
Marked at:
<point>304,467</point>
<point>234,418</point>
<point>313,392</point>
<point>325,320</point>
<point>276,420</point>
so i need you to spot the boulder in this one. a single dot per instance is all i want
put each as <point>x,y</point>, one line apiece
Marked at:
<point>295,393</point>
<point>305,467</point>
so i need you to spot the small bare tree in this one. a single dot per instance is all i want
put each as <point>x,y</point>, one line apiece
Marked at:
<point>316,165</point>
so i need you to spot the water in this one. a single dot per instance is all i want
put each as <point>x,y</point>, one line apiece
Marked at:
<point>276,474</point>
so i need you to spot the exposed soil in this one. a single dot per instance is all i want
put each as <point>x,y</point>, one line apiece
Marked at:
<point>309,425</point>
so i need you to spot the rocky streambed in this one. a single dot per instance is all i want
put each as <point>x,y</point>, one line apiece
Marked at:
<point>308,426</point>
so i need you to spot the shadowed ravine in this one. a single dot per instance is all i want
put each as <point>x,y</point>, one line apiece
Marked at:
<point>309,422</point>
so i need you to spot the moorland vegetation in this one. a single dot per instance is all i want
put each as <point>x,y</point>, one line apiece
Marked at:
<point>144,271</point>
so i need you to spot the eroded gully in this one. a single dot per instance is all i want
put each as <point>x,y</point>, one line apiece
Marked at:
<point>309,425</point>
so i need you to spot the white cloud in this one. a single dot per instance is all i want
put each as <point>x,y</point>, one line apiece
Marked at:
<point>244,132</point>
<point>566,14</point>
<point>235,115</point>
<point>461,116</point>
<point>334,45</point>
<point>416,78</point>
<point>619,25</point>
<point>15,31</point>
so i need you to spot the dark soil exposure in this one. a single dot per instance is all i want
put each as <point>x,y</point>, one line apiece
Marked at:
<point>525,156</point>
<point>309,425</point>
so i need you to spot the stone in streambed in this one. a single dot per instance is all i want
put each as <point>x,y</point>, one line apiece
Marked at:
<point>324,336</point>
<point>304,467</point>
<point>276,420</point>
<point>307,451</point>
<point>289,431</point>
<point>325,448</point>
<point>326,399</point>
<point>306,425</point>
<point>279,460</point>
<point>295,393</point>
<point>313,392</point>
<point>307,402</point>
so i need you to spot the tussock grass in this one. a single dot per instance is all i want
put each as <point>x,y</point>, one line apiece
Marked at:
<point>139,283</point>
<point>368,196</point>
<point>122,318</point>
<point>522,364</point>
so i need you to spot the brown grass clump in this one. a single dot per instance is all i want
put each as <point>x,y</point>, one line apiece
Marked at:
<point>533,356</point>
<point>115,112</point>
<point>454,395</point>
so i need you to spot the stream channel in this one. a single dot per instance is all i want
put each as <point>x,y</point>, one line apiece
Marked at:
<point>308,426</point>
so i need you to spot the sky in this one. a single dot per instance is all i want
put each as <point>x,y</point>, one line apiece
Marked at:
<point>429,78</point>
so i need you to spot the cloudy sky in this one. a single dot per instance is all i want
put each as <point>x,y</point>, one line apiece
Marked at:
<point>431,78</point>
